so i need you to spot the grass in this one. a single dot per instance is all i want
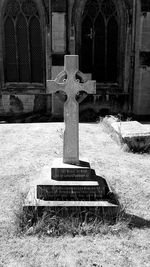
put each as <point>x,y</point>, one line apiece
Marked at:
<point>63,221</point>
<point>62,242</point>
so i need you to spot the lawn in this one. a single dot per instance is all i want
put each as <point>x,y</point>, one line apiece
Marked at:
<point>25,150</point>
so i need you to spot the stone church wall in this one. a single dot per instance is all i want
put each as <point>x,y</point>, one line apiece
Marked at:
<point>145,66</point>
<point>142,84</point>
<point>19,104</point>
<point>60,39</point>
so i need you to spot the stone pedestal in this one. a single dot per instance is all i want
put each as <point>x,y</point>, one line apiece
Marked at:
<point>69,185</point>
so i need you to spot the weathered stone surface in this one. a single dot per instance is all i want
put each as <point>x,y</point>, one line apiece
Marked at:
<point>71,86</point>
<point>16,105</point>
<point>132,133</point>
<point>131,129</point>
<point>70,192</point>
<point>71,172</point>
<point>52,191</point>
<point>31,201</point>
<point>64,174</point>
<point>76,186</point>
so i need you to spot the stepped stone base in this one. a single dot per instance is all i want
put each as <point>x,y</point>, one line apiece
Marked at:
<point>70,186</point>
<point>69,172</point>
<point>100,208</point>
<point>69,192</point>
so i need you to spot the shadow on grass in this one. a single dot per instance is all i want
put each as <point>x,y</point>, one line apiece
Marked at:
<point>80,220</point>
<point>58,221</point>
<point>136,221</point>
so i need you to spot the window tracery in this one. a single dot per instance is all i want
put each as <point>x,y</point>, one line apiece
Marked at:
<point>22,42</point>
<point>108,8</point>
<point>100,36</point>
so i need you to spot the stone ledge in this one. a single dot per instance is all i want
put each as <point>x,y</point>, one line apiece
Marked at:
<point>58,163</point>
<point>70,192</point>
<point>54,183</point>
<point>43,203</point>
<point>71,172</point>
<point>32,201</point>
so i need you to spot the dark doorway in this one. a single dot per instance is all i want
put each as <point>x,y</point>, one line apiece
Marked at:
<point>99,40</point>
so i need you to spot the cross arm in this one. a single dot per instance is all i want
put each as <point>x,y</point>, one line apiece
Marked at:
<point>53,86</point>
<point>89,87</point>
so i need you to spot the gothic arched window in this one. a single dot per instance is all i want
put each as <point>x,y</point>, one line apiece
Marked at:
<point>99,43</point>
<point>22,42</point>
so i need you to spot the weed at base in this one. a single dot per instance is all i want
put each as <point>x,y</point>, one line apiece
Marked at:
<point>62,221</point>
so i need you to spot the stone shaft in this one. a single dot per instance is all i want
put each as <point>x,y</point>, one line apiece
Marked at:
<point>71,86</point>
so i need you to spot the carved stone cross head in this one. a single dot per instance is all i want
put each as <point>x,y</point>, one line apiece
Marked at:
<point>71,86</point>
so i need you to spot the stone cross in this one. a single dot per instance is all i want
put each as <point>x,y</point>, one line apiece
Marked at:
<point>71,86</point>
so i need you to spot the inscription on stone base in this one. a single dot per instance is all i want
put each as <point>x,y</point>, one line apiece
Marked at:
<point>63,193</point>
<point>72,174</point>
